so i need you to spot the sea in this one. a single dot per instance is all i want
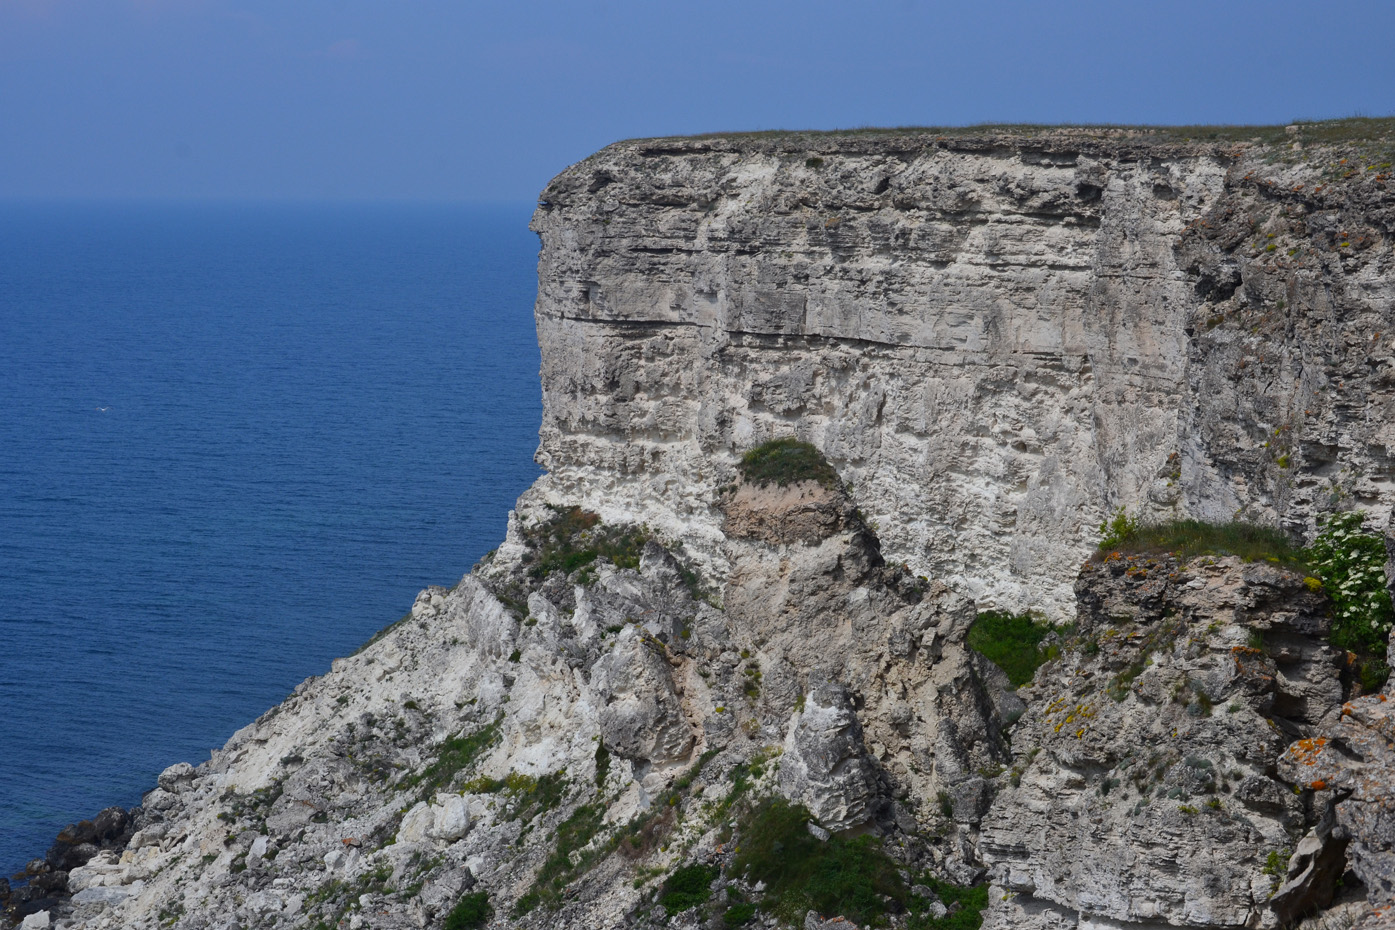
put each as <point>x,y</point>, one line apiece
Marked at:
<point>235,441</point>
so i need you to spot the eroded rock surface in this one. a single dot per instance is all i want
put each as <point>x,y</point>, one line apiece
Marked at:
<point>997,339</point>
<point>1143,787</point>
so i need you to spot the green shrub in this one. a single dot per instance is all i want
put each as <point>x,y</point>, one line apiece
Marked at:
<point>971,900</point>
<point>1117,531</point>
<point>572,835</point>
<point>1010,641</point>
<point>739,914</point>
<point>849,877</point>
<point>1351,564</point>
<point>1187,539</point>
<point>787,461</point>
<point>452,757</point>
<point>470,913</point>
<point>574,538</point>
<point>687,887</point>
<point>602,764</point>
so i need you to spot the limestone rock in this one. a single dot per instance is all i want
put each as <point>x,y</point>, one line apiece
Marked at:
<point>824,766</point>
<point>1142,788</point>
<point>177,777</point>
<point>1124,323</point>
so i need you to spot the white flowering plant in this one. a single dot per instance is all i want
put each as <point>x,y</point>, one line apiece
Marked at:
<point>1351,564</point>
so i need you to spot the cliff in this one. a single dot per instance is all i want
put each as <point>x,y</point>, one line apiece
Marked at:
<point>694,691</point>
<point>998,339</point>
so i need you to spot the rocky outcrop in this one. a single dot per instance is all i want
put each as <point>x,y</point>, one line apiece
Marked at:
<point>998,339</point>
<point>1143,788</point>
<point>825,766</point>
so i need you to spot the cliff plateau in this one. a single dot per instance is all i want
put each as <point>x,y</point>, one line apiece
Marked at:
<point>682,694</point>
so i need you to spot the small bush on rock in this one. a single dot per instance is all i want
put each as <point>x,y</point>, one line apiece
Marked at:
<point>969,916</point>
<point>787,461</point>
<point>849,877</point>
<point>574,538</point>
<point>470,913</point>
<point>687,887</point>
<point>1351,564</point>
<point>1010,641</point>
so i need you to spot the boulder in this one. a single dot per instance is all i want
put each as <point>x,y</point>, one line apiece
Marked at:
<point>825,766</point>
<point>177,777</point>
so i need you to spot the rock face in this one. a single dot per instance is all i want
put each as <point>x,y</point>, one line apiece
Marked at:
<point>825,766</point>
<point>998,340</point>
<point>1143,787</point>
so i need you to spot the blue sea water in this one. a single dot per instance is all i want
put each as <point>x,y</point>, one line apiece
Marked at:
<point>235,441</point>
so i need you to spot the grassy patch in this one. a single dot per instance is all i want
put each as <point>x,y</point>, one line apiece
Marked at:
<point>1336,131</point>
<point>531,796</point>
<point>1010,641</point>
<point>574,538</point>
<point>454,756</point>
<point>688,887</point>
<point>787,461</point>
<point>574,833</point>
<point>470,913</point>
<point>848,877</point>
<point>1190,538</point>
<point>971,900</point>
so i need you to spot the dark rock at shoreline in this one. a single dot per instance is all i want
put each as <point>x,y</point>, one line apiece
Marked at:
<point>45,880</point>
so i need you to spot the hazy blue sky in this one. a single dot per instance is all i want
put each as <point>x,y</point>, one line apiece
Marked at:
<point>461,100</point>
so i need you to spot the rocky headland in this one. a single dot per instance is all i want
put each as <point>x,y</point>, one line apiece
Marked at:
<point>814,405</point>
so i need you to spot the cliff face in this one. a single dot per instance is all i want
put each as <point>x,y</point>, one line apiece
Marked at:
<point>995,340</point>
<point>998,340</point>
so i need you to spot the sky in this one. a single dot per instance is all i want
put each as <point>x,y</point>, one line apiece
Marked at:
<point>465,100</point>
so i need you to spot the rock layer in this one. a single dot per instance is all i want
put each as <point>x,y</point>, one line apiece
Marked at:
<point>997,339</point>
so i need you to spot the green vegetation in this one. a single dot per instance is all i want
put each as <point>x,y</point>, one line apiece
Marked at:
<point>573,834</point>
<point>1356,129</point>
<point>688,887</point>
<point>1276,867</point>
<point>531,796</point>
<point>739,914</point>
<point>470,913</point>
<point>1351,564</point>
<point>971,900</point>
<point>574,538</point>
<point>602,764</point>
<point>850,877</point>
<point>1010,641</point>
<point>1187,539</point>
<point>454,756</point>
<point>787,461</point>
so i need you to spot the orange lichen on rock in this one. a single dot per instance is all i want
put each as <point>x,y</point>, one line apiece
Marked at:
<point>1307,751</point>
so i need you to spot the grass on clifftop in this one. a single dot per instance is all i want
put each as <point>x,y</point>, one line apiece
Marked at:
<point>1349,130</point>
<point>1187,539</point>
<point>787,461</point>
